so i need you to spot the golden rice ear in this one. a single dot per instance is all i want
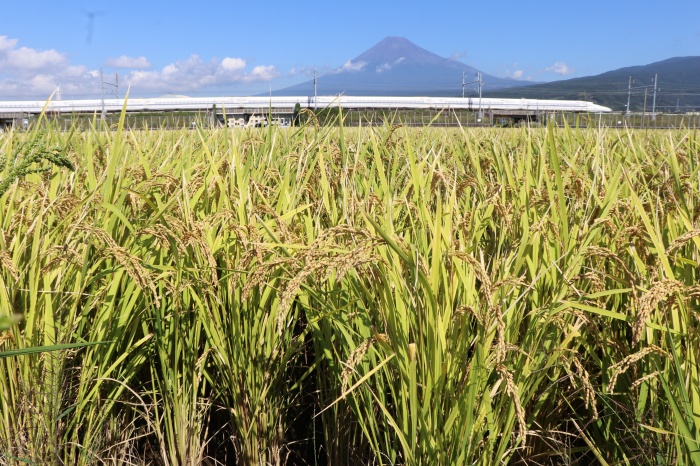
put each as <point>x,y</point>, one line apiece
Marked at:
<point>354,359</point>
<point>681,240</point>
<point>661,292</point>
<point>7,264</point>
<point>621,367</point>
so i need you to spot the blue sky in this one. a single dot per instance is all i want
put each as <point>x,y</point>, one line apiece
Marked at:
<point>240,48</point>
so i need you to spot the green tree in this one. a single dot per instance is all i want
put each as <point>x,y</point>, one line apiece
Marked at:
<point>295,114</point>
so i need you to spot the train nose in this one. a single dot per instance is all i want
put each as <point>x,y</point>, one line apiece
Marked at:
<point>594,108</point>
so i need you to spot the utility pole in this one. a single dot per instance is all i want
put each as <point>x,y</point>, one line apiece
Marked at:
<point>646,88</point>
<point>58,97</point>
<point>480,80</point>
<point>653,105</point>
<point>102,88</point>
<point>314,88</point>
<point>629,93</point>
<point>103,83</point>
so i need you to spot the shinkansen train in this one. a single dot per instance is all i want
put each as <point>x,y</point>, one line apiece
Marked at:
<point>224,104</point>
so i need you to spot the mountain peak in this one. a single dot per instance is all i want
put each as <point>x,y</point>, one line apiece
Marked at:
<point>394,49</point>
<point>397,66</point>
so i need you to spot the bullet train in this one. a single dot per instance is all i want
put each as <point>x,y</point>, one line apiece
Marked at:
<point>288,103</point>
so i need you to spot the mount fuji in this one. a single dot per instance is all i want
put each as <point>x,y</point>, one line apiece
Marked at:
<point>398,67</point>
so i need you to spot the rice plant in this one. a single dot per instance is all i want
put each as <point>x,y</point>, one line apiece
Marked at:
<point>333,295</point>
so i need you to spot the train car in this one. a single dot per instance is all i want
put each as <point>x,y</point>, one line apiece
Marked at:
<point>288,103</point>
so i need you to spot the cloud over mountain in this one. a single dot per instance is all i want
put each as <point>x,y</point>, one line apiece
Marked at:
<point>350,66</point>
<point>560,68</point>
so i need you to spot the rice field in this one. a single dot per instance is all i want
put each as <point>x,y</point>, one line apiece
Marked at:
<point>350,296</point>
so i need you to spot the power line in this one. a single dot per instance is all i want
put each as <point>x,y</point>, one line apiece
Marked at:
<point>104,83</point>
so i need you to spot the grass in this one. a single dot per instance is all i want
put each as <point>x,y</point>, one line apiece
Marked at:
<point>330,295</point>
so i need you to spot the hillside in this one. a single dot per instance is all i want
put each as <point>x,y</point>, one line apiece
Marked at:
<point>396,66</point>
<point>678,80</point>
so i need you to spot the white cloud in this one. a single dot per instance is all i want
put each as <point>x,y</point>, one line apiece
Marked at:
<point>387,66</point>
<point>194,73</point>
<point>76,71</point>
<point>170,69</point>
<point>128,62</point>
<point>517,74</point>
<point>24,61</point>
<point>26,72</point>
<point>234,64</point>
<point>262,73</point>
<point>43,82</point>
<point>6,43</point>
<point>560,68</point>
<point>8,87</point>
<point>350,66</point>
<point>306,71</point>
<point>384,67</point>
